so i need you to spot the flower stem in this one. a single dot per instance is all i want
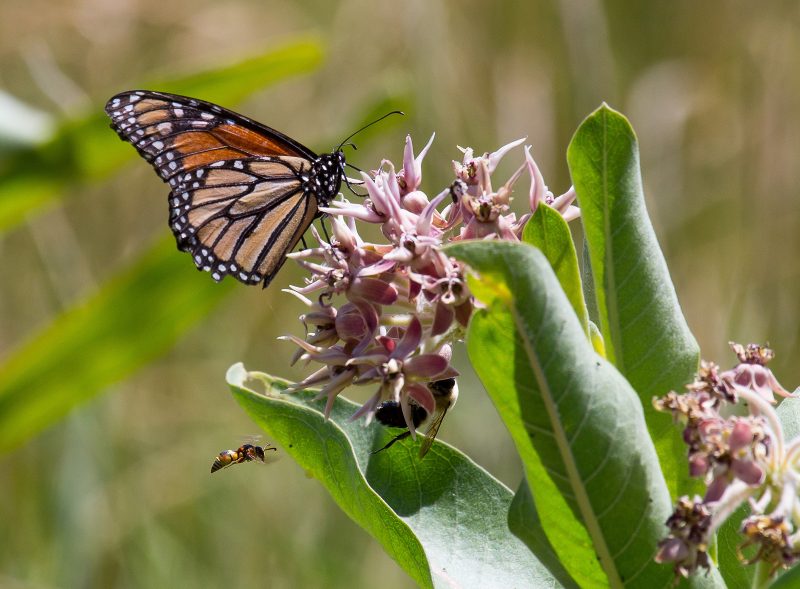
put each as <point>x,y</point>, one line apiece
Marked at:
<point>761,575</point>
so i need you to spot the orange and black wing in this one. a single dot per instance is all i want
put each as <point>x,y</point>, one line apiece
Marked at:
<point>240,193</point>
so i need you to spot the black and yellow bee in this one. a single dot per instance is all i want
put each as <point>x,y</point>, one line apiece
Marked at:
<point>390,414</point>
<point>244,453</point>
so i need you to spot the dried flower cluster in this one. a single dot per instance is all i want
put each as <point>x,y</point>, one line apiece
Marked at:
<point>741,457</point>
<point>386,313</point>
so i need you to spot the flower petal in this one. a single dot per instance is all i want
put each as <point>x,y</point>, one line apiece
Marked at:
<point>425,366</point>
<point>410,341</point>
<point>374,290</point>
<point>422,395</point>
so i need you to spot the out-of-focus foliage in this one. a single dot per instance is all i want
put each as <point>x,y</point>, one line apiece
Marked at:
<point>118,493</point>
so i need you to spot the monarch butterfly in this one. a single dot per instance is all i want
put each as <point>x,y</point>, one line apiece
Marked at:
<point>241,194</point>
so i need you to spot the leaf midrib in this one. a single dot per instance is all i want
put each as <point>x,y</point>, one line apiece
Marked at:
<point>612,311</point>
<point>581,496</point>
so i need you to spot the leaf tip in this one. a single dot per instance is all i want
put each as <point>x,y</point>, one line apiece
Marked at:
<point>236,375</point>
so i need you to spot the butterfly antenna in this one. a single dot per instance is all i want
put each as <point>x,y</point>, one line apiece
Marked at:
<point>388,114</point>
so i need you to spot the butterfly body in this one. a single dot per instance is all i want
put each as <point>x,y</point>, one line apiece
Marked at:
<point>241,194</point>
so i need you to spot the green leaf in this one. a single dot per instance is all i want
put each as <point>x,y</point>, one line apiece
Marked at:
<point>129,321</point>
<point>85,149</point>
<point>646,336</point>
<point>548,231</point>
<point>443,519</point>
<point>788,580</point>
<point>576,422</point>
<point>525,523</point>
<point>736,575</point>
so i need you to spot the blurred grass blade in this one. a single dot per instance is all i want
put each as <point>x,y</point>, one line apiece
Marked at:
<point>87,149</point>
<point>576,422</point>
<point>548,231</point>
<point>646,336</point>
<point>128,322</point>
<point>443,519</point>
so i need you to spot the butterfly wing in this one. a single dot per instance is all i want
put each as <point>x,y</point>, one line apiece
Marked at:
<point>196,132</point>
<point>240,193</point>
<point>240,218</point>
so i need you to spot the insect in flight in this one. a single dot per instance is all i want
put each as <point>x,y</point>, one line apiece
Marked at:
<point>241,194</point>
<point>389,413</point>
<point>244,453</point>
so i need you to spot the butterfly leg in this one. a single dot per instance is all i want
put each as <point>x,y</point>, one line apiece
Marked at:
<point>324,229</point>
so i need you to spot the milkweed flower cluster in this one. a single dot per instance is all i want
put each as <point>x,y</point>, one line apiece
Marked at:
<point>386,313</point>
<point>736,444</point>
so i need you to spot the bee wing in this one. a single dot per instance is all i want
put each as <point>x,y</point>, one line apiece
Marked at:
<point>430,434</point>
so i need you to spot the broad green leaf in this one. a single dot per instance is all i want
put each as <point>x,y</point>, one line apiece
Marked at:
<point>548,231</point>
<point>736,575</point>
<point>646,336</point>
<point>129,321</point>
<point>443,519</point>
<point>788,580</point>
<point>576,422</point>
<point>86,149</point>
<point>525,523</point>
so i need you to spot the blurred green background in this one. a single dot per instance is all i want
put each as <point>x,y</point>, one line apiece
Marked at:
<point>96,304</point>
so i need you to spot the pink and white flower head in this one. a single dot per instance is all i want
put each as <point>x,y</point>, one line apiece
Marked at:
<point>387,312</point>
<point>740,458</point>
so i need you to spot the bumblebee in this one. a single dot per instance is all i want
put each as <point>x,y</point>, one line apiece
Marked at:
<point>244,453</point>
<point>390,414</point>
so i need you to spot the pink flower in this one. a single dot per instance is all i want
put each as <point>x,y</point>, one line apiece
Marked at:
<point>752,372</point>
<point>386,312</point>
<point>741,458</point>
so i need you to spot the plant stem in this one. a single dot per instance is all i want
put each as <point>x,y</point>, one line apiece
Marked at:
<point>761,576</point>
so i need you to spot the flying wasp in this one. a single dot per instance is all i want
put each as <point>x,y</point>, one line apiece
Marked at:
<point>390,414</point>
<point>244,453</point>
